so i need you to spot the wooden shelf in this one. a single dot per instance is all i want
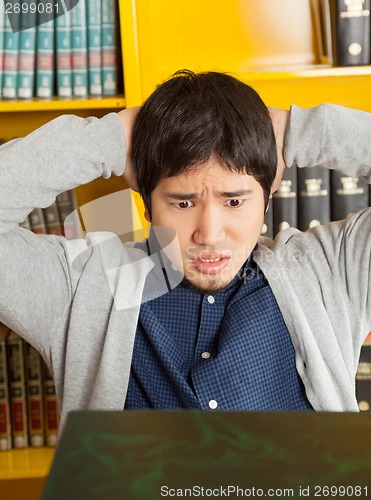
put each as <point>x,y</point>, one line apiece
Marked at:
<point>56,104</point>
<point>26,463</point>
<point>295,72</point>
<point>311,86</point>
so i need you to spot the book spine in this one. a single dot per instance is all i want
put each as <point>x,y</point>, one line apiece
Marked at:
<point>11,59</point>
<point>94,25</point>
<point>69,215</point>
<point>79,50</point>
<point>5,423</point>
<point>52,220</point>
<point>63,55</point>
<point>348,195</point>
<point>285,202</point>
<point>50,408</point>
<point>17,390</point>
<point>27,50</point>
<point>34,388</point>
<point>319,30</point>
<point>37,221</point>
<point>313,197</point>
<point>109,47</point>
<point>44,58</point>
<point>350,32</point>
<point>363,377</point>
<point>326,56</point>
<point>2,37</point>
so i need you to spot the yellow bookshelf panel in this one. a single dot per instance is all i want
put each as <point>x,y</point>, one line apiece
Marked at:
<point>238,35</point>
<point>26,463</point>
<point>311,87</point>
<point>271,48</point>
<point>61,105</point>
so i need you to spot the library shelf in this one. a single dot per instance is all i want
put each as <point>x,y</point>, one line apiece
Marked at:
<point>26,463</point>
<point>61,105</point>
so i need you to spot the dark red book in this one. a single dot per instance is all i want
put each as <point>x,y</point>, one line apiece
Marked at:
<point>17,390</point>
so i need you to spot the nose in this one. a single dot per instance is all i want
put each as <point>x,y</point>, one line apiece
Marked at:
<point>209,227</point>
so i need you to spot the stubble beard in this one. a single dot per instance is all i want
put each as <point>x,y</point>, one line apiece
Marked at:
<point>213,284</point>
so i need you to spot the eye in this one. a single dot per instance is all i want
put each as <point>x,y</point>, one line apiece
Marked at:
<point>183,205</point>
<point>234,203</point>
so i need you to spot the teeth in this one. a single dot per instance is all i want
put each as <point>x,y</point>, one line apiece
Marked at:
<point>212,260</point>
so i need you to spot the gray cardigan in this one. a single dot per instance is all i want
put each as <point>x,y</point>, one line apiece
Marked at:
<point>78,301</point>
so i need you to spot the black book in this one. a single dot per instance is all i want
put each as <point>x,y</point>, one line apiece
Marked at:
<point>313,197</point>
<point>349,195</point>
<point>285,201</point>
<point>350,32</point>
<point>363,377</point>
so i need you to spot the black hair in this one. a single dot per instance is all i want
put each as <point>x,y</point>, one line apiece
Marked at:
<point>195,116</point>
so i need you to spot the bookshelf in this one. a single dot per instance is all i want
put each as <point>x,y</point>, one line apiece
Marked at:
<point>156,40</point>
<point>24,471</point>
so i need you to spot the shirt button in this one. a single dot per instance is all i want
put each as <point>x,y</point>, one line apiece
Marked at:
<point>211,299</point>
<point>205,355</point>
<point>213,404</point>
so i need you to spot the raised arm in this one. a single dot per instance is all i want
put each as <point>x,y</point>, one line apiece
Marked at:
<point>64,153</point>
<point>327,136</point>
<point>338,138</point>
<point>37,280</point>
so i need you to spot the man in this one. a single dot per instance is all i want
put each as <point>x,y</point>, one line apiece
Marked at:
<point>244,324</point>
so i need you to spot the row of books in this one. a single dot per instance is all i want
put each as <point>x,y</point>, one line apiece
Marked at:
<point>47,50</point>
<point>311,196</point>
<point>28,405</point>
<point>59,218</point>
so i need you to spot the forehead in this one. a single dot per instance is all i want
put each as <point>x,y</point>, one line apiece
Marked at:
<point>212,176</point>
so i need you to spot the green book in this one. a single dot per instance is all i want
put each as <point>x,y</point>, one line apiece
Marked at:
<point>44,58</point>
<point>79,50</point>
<point>152,454</point>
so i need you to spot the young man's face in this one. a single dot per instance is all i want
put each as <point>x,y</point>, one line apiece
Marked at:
<point>217,215</point>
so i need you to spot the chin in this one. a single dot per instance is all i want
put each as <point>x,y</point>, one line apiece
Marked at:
<point>212,284</point>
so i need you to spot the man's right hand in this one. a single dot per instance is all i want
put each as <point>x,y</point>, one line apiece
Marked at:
<point>128,117</point>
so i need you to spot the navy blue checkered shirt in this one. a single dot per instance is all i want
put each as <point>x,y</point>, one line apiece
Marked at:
<point>229,351</point>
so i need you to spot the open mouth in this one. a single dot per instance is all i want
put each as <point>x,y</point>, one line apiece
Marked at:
<point>211,264</point>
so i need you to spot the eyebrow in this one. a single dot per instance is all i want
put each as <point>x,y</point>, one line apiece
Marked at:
<point>221,194</point>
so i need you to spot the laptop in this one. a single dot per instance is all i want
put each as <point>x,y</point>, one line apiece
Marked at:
<point>156,454</point>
